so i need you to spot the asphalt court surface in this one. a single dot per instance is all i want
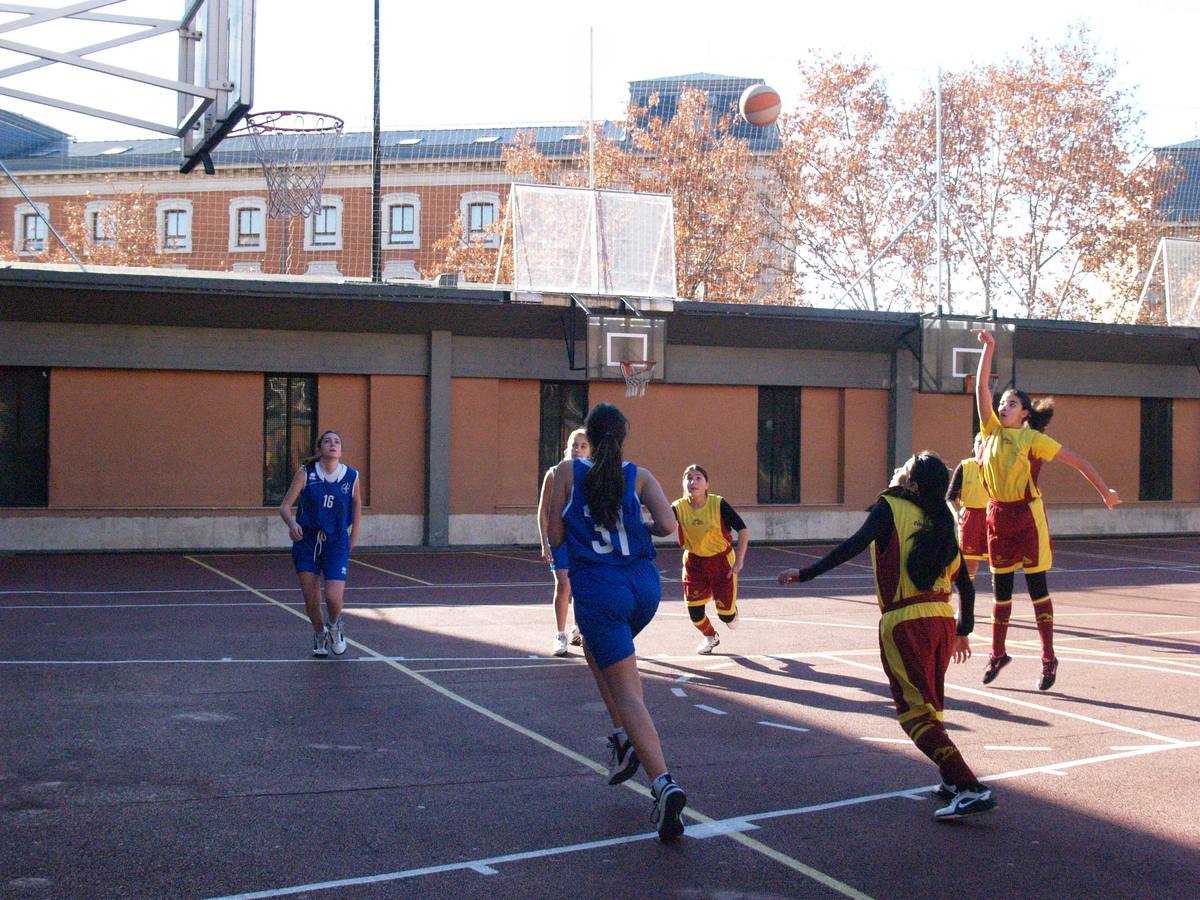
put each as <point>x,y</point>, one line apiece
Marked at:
<point>166,733</point>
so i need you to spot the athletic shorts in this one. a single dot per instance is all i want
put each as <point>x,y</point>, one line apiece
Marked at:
<point>613,604</point>
<point>710,578</point>
<point>972,533</point>
<point>559,561</point>
<point>321,555</point>
<point>916,643</point>
<point>1018,537</point>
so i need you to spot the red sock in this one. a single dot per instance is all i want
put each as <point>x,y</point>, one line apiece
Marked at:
<point>1001,611</point>
<point>1043,610</point>
<point>706,627</point>
<point>931,739</point>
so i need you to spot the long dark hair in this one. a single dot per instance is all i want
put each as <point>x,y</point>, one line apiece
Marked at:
<point>1040,411</point>
<point>935,543</point>
<point>308,460</point>
<point>605,482</point>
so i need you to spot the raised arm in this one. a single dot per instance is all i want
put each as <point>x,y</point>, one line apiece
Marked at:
<point>983,374</point>
<point>651,494</point>
<point>1110,497</point>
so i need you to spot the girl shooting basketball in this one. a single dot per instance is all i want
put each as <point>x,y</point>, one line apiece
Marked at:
<point>1018,536</point>
<point>596,511</point>
<point>577,448</point>
<point>915,556</point>
<point>710,564</point>
<point>323,533</point>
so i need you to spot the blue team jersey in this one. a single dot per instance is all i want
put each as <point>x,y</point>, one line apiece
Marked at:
<point>325,505</point>
<point>590,544</point>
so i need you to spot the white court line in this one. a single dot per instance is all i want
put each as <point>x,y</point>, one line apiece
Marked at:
<point>857,565</point>
<point>536,562</point>
<point>782,858</point>
<point>390,572</point>
<point>1013,747</point>
<point>679,692</point>
<point>711,709</point>
<point>718,826</point>
<point>878,740</point>
<point>1082,654</point>
<point>998,698</point>
<point>785,727</point>
<point>683,678</point>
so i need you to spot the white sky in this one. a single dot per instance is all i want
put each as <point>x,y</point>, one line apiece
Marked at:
<point>474,63</point>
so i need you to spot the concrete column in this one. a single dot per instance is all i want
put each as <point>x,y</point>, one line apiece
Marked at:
<point>900,405</point>
<point>437,443</point>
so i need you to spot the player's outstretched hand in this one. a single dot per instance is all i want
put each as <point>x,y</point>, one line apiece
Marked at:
<point>1111,498</point>
<point>794,576</point>
<point>985,337</point>
<point>962,648</point>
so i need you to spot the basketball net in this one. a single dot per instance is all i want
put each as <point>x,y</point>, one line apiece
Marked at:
<point>637,373</point>
<point>294,149</point>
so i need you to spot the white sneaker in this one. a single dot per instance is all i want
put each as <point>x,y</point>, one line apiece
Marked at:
<point>708,644</point>
<point>337,640</point>
<point>320,643</point>
<point>966,803</point>
<point>560,644</point>
<point>576,637</point>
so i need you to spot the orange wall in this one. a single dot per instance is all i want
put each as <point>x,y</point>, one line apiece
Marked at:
<point>518,411</point>
<point>865,466</point>
<point>942,423</point>
<point>122,438</point>
<point>397,446</point>
<point>1104,430</point>
<point>673,426</point>
<point>1185,454</point>
<point>343,405</point>
<point>493,444</point>
<point>821,445</point>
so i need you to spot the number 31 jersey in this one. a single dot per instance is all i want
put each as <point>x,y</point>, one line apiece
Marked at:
<point>588,542</point>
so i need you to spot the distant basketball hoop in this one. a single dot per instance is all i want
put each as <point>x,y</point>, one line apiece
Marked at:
<point>637,374</point>
<point>294,149</point>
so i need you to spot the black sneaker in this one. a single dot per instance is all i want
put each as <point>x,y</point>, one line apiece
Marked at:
<point>668,809</point>
<point>622,760</point>
<point>1049,674</point>
<point>995,664</point>
<point>967,802</point>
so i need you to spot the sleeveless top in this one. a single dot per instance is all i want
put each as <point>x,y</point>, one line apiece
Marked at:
<point>588,543</point>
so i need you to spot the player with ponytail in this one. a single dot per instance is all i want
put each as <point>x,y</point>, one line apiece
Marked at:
<point>914,552</point>
<point>1018,535</point>
<point>596,512</point>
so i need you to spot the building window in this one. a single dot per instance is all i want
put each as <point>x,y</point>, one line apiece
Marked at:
<point>402,221</point>
<point>323,229</point>
<point>779,445</point>
<point>24,436</point>
<point>1156,469</point>
<point>29,229</point>
<point>289,430</point>
<point>101,227</point>
<point>247,225</point>
<point>174,223</point>
<point>564,407</point>
<point>479,211</point>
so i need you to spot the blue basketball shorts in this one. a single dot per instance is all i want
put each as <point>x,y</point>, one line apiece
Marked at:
<point>612,605</point>
<point>322,555</point>
<point>560,558</point>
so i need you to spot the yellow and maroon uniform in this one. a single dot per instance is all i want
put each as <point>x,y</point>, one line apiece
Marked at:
<point>1018,535</point>
<point>967,488</point>
<point>706,537</point>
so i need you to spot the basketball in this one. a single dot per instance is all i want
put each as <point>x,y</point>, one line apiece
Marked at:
<point>759,105</point>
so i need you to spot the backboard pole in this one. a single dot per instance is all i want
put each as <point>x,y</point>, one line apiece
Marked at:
<point>41,215</point>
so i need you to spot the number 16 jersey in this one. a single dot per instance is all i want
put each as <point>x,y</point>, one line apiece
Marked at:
<point>591,544</point>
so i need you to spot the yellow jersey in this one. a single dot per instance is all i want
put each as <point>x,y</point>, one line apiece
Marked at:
<point>892,584</point>
<point>1012,459</point>
<point>973,494</point>
<point>700,530</point>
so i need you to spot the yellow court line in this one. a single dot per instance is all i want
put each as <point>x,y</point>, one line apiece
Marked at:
<point>390,572</point>
<point>781,858</point>
<point>537,562</point>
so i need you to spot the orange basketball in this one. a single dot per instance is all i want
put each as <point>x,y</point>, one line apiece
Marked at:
<point>759,105</point>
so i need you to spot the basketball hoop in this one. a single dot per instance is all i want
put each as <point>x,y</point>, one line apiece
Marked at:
<point>294,149</point>
<point>637,373</point>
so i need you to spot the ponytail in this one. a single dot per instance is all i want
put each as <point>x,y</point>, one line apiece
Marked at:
<point>935,544</point>
<point>605,480</point>
<point>1040,411</point>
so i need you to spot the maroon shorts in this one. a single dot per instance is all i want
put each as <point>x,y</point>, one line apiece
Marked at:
<point>710,578</point>
<point>1018,537</point>
<point>972,533</point>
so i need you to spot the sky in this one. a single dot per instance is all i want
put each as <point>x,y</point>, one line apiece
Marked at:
<point>532,62</point>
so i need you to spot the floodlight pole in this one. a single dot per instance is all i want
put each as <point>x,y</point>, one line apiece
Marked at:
<point>376,212</point>
<point>592,107</point>
<point>940,220</point>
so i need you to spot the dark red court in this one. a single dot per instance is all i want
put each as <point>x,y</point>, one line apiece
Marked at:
<point>166,733</point>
